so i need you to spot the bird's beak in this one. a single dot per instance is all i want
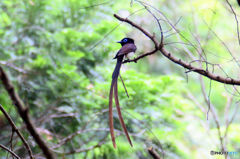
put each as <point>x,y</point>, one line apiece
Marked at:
<point>119,42</point>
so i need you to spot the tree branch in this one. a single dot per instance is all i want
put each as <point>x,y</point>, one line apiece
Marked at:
<point>20,70</point>
<point>10,151</point>
<point>167,54</point>
<point>153,153</point>
<point>17,131</point>
<point>23,111</point>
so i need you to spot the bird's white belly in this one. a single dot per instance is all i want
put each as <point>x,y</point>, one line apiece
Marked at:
<point>129,55</point>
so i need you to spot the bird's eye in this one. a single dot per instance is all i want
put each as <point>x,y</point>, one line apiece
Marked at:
<point>125,40</point>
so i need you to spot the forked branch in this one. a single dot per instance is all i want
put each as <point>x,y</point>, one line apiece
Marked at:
<point>14,127</point>
<point>23,112</point>
<point>164,52</point>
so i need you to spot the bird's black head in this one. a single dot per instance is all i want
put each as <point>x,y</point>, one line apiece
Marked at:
<point>126,41</point>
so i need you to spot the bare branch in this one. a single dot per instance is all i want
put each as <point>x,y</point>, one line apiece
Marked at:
<point>236,19</point>
<point>10,151</point>
<point>167,54</point>
<point>17,131</point>
<point>23,111</point>
<point>124,86</point>
<point>214,114</point>
<point>151,37</point>
<point>20,70</point>
<point>141,56</point>
<point>153,153</point>
<point>99,144</point>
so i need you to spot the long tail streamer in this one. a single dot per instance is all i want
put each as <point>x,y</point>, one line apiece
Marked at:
<point>114,90</point>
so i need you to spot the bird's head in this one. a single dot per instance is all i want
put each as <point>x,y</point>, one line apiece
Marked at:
<point>126,41</point>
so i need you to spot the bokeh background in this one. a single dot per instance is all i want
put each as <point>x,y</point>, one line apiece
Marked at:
<point>59,55</point>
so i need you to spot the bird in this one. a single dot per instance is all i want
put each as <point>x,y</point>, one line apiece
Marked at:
<point>128,47</point>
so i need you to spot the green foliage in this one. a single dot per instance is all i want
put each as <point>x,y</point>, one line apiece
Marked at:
<point>66,47</point>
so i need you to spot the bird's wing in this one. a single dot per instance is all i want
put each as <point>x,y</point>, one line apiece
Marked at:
<point>127,48</point>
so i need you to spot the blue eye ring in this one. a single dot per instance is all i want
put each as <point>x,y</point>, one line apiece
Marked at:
<point>125,40</point>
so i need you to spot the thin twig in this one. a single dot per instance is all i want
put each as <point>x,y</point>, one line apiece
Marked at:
<point>11,65</point>
<point>236,19</point>
<point>153,153</point>
<point>95,5</point>
<point>23,112</point>
<point>10,151</point>
<point>15,129</point>
<point>124,86</point>
<point>99,144</point>
<point>214,114</point>
<point>167,54</point>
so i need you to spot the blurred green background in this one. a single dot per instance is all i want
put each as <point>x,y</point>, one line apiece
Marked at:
<point>58,54</point>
